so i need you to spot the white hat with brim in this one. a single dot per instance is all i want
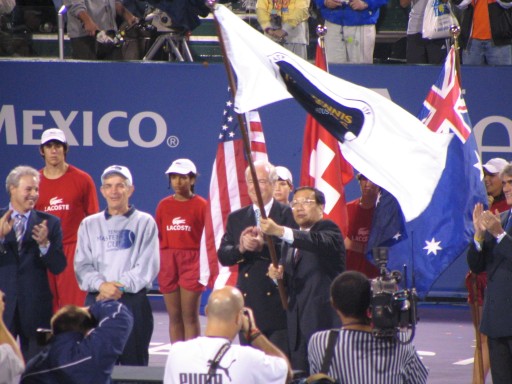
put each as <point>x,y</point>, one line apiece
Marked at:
<point>495,165</point>
<point>53,134</point>
<point>284,174</point>
<point>182,167</point>
<point>119,170</point>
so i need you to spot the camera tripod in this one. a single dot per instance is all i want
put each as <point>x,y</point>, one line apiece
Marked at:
<point>174,44</point>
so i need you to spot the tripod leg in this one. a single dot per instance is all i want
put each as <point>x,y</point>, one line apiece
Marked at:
<point>172,44</point>
<point>186,50</point>
<point>159,42</point>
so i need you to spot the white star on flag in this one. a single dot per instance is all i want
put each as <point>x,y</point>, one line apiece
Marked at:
<point>432,246</point>
<point>478,165</point>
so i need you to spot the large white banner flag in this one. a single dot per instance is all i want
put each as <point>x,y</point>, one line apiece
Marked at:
<point>379,138</point>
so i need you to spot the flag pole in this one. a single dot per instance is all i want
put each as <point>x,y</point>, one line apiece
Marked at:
<point>455,32</point>
<point>247,149</point>
<point>321,31</point>
<point>476,323</point>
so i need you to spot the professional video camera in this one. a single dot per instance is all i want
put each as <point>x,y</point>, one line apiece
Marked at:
<point>393,309</point>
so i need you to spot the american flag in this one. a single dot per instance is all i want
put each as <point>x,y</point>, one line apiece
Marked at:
<point>440,235</point>
<point>228,191</point>
<point>323,165</point>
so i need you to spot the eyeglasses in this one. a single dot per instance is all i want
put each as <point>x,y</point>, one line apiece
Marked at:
<point>260,182</point>
<point>302,203</point>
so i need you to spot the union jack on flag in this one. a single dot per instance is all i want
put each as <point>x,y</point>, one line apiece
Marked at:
<point>444,109</point>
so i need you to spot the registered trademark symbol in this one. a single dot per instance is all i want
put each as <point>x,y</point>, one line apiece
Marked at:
<point>173,141</point>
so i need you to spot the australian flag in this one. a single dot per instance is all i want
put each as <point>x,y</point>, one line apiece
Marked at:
<point>441,234</point>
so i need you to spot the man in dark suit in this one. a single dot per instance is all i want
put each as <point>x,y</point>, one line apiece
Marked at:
<point>243,245</point>
<point>311,257</point>
<point>491,251</point>
<point>30,245</point>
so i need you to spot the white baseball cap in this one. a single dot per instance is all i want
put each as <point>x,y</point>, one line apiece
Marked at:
<point>53,134</point>
<point>284,174</point>
<point>117,169</point>
<point>495,165</point>
<point>182,167</point>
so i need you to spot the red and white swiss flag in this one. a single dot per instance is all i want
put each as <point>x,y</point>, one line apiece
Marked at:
<point>323,165</point>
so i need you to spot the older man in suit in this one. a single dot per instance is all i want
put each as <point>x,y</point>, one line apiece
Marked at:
<point>311,257</point>
<point>243,245</point>
<point>30,245</point>
<point>491,251</point>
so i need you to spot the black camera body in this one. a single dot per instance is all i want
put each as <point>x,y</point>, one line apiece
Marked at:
<point>43,336</point>
<point>393,309</point>
<point>276,21</point>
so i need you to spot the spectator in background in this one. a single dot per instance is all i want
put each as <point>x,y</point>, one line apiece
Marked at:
<point>420,50</point>
<point>311,258</point>
<point>92,26</point>
<point>6,6</point>
<point>11,359</point>
<point>286,22</point>
<point>485,39</point>
<point>117,258</point>
<point>70,194</point>
<point>360,216</point>
<point>85,344</point>
<point>180,220</point>
<point>30,246</point>
<point>243,245</point>
<point>351,30</point>
<point>497,202</point>
<point>177,16</point>
<point>183,14</point>
<point>490,251</point>
<point>214,359</point>
<point>359,356</point>
<point>493,184</point>
<point>284,185</point>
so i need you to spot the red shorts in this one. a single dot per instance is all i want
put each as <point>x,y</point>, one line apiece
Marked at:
<point>179,268</point>
<point>481,284</point>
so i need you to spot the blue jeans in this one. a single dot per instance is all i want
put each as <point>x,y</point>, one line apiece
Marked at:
<point>481,52</point>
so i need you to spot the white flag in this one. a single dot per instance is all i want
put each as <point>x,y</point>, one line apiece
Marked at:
<point>379,138</point>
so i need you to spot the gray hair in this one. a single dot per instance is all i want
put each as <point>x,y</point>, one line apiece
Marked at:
<point>127,182</point>
<point>506,171</point>
<point>271,170</point>
<point>13,178</point>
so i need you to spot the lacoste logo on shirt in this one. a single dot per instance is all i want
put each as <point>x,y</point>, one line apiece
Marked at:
<point>56,200</point>
<point>178,221</point>
<point>56,204</point>
<point>179,224</point>
<point>362,234</point>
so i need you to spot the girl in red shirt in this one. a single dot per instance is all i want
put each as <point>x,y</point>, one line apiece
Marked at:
<point>180,220</point>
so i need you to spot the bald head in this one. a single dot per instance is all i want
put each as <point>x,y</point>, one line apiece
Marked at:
<point>224,304</point>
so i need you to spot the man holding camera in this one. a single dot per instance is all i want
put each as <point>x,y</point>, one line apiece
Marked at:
<point>286,22</point>
<point>212,357</point>
<point>84,346</point>
<point>311,257</point>
<point>87,19</point>
<point>359,356</point>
